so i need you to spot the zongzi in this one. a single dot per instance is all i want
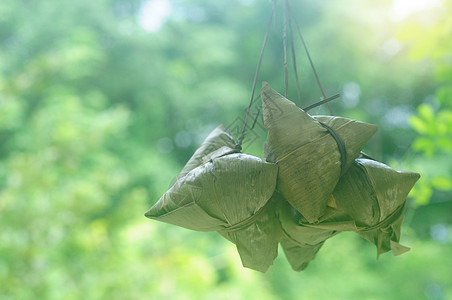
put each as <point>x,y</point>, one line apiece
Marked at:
<point>228,192</point>
<point>369,199</point>
<point>300,243</point>
<point>373,195</point>
<point>312,153</point>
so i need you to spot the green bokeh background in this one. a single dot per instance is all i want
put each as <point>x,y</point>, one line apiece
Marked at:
<point>98,116</point>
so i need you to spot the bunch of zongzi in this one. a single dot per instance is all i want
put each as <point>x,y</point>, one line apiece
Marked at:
<point>313,185</point>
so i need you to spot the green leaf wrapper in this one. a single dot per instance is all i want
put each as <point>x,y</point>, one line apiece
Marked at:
<point>307,154</point>
<point>230,193</point>
<point>369,199</point>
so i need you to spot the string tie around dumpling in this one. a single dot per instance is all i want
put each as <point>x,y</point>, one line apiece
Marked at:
<point>351,226</point>
<point>386,222</point>
<point>299,243</point>
<point>248,221</point>
<point>340,146</point>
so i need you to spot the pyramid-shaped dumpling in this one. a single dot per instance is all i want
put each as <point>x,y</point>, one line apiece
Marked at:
<point>301,243</point>
<point>312,153</point>
<point>373,195</point>
<point>230,193</point>
<point>369,199</point>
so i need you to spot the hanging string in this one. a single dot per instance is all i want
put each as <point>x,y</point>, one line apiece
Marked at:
<point>286,73</point>
<point>321,102</point>
<point>255,120</point>
<point>242,135</point>
<point>310,59</point>
<point>287,18</point>
<point>294,60</point>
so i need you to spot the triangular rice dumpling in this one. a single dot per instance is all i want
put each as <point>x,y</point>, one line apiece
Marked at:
<point>312,153</point>
<point>229,193</point>
<point>373,195</point>
<point>300,243</point>
<point>369,199</point>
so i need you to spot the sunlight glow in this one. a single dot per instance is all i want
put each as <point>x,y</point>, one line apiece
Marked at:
<point>153,14</point>
<point>403,8</point>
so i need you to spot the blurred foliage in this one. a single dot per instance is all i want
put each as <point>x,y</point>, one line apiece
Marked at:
<point>433,121</point>
<point>97,117</point>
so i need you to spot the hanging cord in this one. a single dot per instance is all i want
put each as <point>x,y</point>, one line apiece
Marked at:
<point>310,59</point>
<point>321,102</point>
<point>255,120</point>
<point>254,123</point>
<point>294,59</point>
<point>286,73</point>
<point>287,18</point>
<point>242,135</point>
